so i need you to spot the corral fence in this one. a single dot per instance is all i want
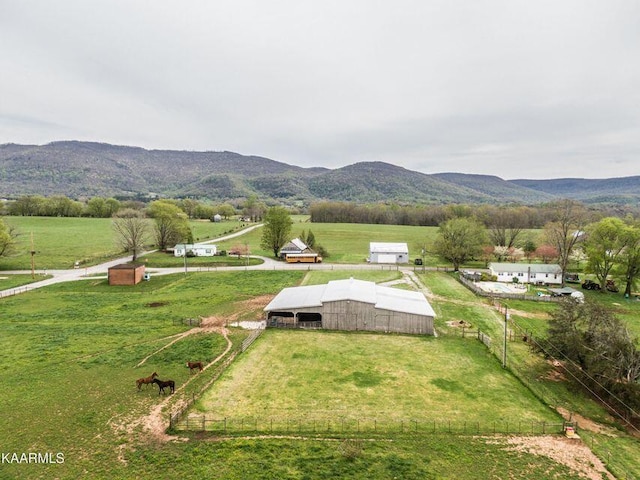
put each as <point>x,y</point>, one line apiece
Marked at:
<point>365,426</point>
<point>176,417</point>
<point>16,291</point>
<point>246,343</point>
<point>192,322</point>
<point>278,322</point>
<point>513,296</point>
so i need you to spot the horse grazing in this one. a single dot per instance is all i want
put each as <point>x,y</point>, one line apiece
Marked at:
<point>162,384</point>
<point>193,365</point>
<point>146,380</point>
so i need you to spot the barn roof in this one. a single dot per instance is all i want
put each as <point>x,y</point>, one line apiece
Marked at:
<point>381,247</point>
<point>384,298</point>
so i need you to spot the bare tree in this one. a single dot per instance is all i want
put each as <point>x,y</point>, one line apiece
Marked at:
<point>566,230</point>
<point>132,230</point>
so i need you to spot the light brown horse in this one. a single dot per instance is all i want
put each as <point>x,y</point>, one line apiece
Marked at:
<point>193,365</point>
<point>146,380</point>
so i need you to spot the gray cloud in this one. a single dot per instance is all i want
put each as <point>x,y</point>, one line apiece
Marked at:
<point>515,89</point>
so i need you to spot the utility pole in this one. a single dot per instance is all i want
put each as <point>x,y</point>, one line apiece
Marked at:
<point>33,263</point>
<point>504,344</point>
<point>185,258</point>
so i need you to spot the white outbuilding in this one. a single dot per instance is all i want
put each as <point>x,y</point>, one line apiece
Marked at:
<point>195,250</point>
<point>352,305</point>
<point>381,252</point>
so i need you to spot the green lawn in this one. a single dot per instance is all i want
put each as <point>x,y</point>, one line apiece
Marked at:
<point>350,377</point>
<point>60,242</point>
<point>69,356</point>
<point>349,243</point>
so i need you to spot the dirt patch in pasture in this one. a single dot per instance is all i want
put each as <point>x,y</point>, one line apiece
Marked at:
<point>156,304</point>
<point>571,452</point>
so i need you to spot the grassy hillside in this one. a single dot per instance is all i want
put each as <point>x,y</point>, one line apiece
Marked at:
<point>93,341</point>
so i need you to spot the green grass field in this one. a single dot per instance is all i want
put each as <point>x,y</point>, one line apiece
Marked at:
<point>332,376</point>
<point>60,242</point>
<point>70,354</point>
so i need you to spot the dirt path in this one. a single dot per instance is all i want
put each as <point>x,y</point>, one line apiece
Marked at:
<point>151,424</point>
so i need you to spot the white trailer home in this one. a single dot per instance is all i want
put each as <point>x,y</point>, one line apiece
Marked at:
<point>194,250</point>
<point>535,273</point>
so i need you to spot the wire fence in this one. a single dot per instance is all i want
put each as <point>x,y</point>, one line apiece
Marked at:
<point>359,426</point>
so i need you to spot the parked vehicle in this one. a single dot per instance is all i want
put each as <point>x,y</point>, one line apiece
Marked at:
<point>572,278</point>
<point>590,285</point>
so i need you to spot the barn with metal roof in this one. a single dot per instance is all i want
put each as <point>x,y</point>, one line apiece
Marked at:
<point>352,305</point>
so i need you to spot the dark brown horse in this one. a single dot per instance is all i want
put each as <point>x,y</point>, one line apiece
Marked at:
<point>146,380</point>
<point>193,365</point>
<point>163,384</point>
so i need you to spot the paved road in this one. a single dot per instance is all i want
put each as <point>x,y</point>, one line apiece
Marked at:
<point>59,276</point>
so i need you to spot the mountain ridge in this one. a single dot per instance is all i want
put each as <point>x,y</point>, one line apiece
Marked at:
<point>80,169</point>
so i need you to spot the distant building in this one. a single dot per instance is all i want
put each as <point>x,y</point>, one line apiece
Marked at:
<point>535,273</point>
<point>352,305</point>
<point>380,252</point>
<point>126,274</point>
<point>295,246</point>
<point>195,250</point>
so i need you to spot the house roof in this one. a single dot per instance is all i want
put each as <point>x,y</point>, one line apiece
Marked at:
<point>526,267</point>
<point>194,245</point>
<point>382,247</point>
<point>295,245</point>
<point>384,298</point>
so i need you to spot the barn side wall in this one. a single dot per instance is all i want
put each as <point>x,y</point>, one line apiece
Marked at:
<point>351,315</point>
<point>126,276</point>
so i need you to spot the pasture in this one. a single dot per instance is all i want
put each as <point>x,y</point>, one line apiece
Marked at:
<point>59,242</point>
<point>332,376</point>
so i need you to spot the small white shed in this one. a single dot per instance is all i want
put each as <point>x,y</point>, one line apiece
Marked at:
<point>380,252</point>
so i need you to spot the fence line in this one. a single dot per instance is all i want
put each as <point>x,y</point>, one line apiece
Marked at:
<point>370,426</point>
<point>192,322</point>
<point>246,343</point>
<point>15,291</point>
<point>175,417</point>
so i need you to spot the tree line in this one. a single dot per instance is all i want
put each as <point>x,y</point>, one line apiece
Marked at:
<point>608,246</point>
<point>107,207</point>
<point>520,216</point>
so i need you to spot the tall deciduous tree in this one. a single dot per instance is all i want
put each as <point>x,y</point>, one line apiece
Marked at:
<point>598,347</point>
<point>605,241</point>
<point>459,240</point>
<point>132,230</point>
<point>566,230</point>
<point>171,224</point>
<point>7,239</point>
<point>629,266</point>
<point>276,230</point>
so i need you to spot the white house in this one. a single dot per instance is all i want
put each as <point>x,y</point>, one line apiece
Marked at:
<point>536,273</point>
<point>195,250</point>
<point>380,252</point>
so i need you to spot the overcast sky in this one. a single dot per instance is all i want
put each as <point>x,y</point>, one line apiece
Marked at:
<point>517,89</point>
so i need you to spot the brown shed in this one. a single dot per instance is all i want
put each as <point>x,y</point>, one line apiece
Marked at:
<point>126,274</point>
